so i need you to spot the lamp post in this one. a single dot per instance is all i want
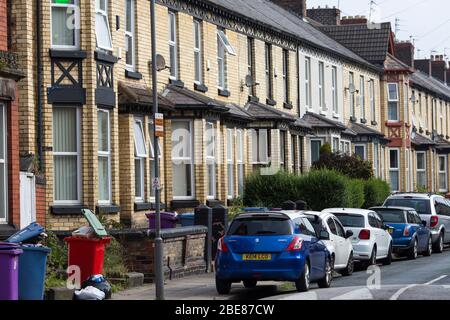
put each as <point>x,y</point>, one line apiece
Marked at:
<point>158,261</point>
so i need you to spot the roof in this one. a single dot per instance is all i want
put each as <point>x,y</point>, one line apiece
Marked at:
<point>261,111</point>
<point>442,143</point>
<point>392,208</point>
<point>363,130</point>
<point>423,80</point>
<point>372,44</point>
<point>402,195</point>
<point>393,64</point>
<point>317,121</point>
<point>420,140</point>
<point>275,17</point>
<point>183,98</point>
<point>140,96</point>
<point>291,214</point>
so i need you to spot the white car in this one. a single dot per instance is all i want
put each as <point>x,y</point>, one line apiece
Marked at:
<point>371,239</point>
<point>339,245</point>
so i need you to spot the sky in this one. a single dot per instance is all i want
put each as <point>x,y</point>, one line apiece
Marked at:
<point>427,22</point>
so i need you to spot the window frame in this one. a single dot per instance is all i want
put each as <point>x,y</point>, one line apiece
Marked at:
<point>4,162</point>
<point>230,162</point>
<point>198,57</point>
<point>376,159</point>
<point>351,81</point>
<point>392,100</point>
<point>76,9</point>
<point>394,169</point>
<point>445,172</point>
<point>173,43</point>
<point>283,158</point>
<point>251,63</point>
<point>321,86</point>
<point>104,13</point>
<point>372,99</point>
<point>421,170</point>
<point>269,70</point>
<point>240,160</point>
<point>308,90</point>
<point>364,146</point>
<point>131,34</point>
<point>256,133</point>
<point>334,92</point>
<point>321,140</point>
<point>222,76</point>
<point>141,157</point>
<point>286,77</point>
<point>211,160</point>
<point>362,96</point>
<point>107,155</point>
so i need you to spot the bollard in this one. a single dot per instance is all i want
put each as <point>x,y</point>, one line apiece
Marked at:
<point>220,225</point>
<point>301,205</point>
<point>203,217</point>
<point>288,205</point>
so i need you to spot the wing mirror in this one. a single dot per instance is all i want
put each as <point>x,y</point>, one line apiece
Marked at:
<point>348,234</point>
<point>324,235</point>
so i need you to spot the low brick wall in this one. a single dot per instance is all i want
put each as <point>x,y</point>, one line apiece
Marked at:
<point>184,251</point>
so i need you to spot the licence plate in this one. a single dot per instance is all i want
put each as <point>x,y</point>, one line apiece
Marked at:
<point>256,256</point>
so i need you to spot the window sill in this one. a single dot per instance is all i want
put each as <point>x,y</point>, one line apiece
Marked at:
<point>145,206</point>
<point>200,87</point>
<point>133,75</point>
<point>176,83</point>
<point>105,57</point>
<point>223,93</point>
<point>363,121</point>
<point>107,209</point>
<point>68,53</point>
<point>271,102</point>
<point>335,115</point>
<point>323,113</point>
<point>66,210</point>
<point>253,99</point>
<point>353,119</point>
<point>182,204</point>
<point>288,106</point>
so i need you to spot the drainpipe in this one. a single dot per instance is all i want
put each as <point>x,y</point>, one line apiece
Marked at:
<point>39,83</point>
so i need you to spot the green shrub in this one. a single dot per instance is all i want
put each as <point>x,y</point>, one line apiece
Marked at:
<point>270,191</point>
<point>114,263</point>
<point>323,189</point>
<point>355,193</point>
<point>325,149</point>
<point>351,166</point>
<point>375,192</point>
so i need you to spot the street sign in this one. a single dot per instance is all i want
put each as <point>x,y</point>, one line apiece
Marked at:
<point>159,125</point>
<point>156,184</point>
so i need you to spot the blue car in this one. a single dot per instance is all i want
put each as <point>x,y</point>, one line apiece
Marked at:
<point>272,246</point>
<point>408,231</point>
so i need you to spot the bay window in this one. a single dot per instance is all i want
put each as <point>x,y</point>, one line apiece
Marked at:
<point>3,165</point>
<point>293,151</point>
<point>443,173</point>
<point>65,24</point>
<point>102,31</point>
<point>182,160</point>
<point>211,159</point>
<point>240,160</point>
<point>335,144</point>
<point>130,52</point>
<point>315,150</point>
<point>394,169</point>
<point>360,151</point>
<point>230,163</point>
<point>198,61</point>
<point>393,112</point>
<point>421,169</point>
<point>173,45</point>
<point>260,146</point>
<point>104,157</point>
<point>67,155</point>
<point>140,154</point>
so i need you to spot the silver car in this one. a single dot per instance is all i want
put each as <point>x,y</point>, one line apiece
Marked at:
<point>432,208</point>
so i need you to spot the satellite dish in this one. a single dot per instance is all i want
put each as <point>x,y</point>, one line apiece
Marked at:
<point>249,81</point>
<point>413,99</point>
<point>160,62</point>
<point>352,88</point>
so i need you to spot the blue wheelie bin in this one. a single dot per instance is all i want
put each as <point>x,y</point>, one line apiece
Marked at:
<point>186,219</point>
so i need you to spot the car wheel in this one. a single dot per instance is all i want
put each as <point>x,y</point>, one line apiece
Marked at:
<point>429,250</point>
<point>373,258</point>
<point>388,260</point>
<point>223,286</point>
<point>439,246</point>
<point>412,253</point>
<point>250,284</point>
<point>325,282</point>
<point>350,266</point>
<point>302,284</point>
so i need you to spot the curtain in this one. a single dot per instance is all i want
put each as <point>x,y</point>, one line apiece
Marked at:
<point>103,178</point>
<point>61,34</point>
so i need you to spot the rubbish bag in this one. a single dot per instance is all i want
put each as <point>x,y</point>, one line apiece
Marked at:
<point>99,282</point>
<point>85,232</point>
<point>89,293</point>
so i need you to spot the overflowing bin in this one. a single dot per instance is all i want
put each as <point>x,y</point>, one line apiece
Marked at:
<point>186,219</point>
<point>9,274</point>
<point>168,220</point>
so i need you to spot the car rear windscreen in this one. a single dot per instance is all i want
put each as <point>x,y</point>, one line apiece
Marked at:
<point>392,216</point>
<point>351,220</point>
<point>422,206</point>
<point>261,226</point>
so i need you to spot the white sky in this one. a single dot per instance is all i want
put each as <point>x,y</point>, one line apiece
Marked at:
<point>427,21</point>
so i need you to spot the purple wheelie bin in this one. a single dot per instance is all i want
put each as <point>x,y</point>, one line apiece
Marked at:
<point>9,275</point>
<point>168,220</point>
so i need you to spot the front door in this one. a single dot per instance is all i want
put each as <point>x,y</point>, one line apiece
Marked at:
<point>27,199</point>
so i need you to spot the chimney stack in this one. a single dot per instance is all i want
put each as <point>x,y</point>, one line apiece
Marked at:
<point>423,65</point>
<point>297,6</point>
<point>354,20</point>
<point>404,51</point>
<point>439,68</point>
<point>326,16</point>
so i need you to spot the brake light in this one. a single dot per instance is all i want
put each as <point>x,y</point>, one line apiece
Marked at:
<point>406,231</point>
<point>221,245</point>
<point>434,221</point>
<point>295,245</point>
<point>364,234</point>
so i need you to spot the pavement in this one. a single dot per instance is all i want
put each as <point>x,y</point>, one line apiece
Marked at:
<point>427,278</point>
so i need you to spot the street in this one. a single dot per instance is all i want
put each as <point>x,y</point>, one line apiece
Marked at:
<point>427,278</point>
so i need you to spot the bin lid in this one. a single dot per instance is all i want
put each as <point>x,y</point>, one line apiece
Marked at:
<point>94,223</point>
<point>8,246</point>
<point>11,252</point>
<point>29,232</point>
<point>32,247</point>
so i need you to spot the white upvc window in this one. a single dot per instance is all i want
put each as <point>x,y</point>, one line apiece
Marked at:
<point>394,168</point>
<point>173,45</point>
<point>65,25</point>
<point>283,150</point>
<point>286,78</point>
<point>441,118</point>
<point>130,43</point>
<point>443,165</point>
<point>251,64</point>
<point>372,99</point>
<point>67,155</point>
<point>334,92</point>
<point>260,146</point>
<point>3,165</point>
<point>182,159</point>
<point>409,171</point>
<point>383,162</point>
<point>140,154</point>
<point>240,160</point>
<point>406,101</point>
<point>335,144</point>
<point>308,92</point>
<point>269,71</point>
<point>102,30</point>
<point>211,159</point>
<point>223,47</point>
<point>198,61</point>
<point>362,96</point>
<point>376,159</point>
<point>351,81</point>
<point>361,151</point>
<point>421,169</point>
<point>393,112</point>
<point>152,154</point>
<point>293,150</point>
<point>322,104</point>
<point>104,156</point>
<point>315,145</point>
<point>230,162</point>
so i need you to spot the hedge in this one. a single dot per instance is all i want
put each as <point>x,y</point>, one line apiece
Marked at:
<point>321,189</point>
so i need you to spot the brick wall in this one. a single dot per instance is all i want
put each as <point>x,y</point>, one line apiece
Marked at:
<point>3,25</point>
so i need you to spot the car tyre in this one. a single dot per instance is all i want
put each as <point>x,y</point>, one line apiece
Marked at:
<point>302,284</point>
<point>429,250</point>
<point>412,253</point>
<point>439,246</point>
<point>350,266</point>
<point>250,284</point>
<point>373,259</point>
<point>325,282</point>
<point>223,286</point>
<point>388,260</point>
